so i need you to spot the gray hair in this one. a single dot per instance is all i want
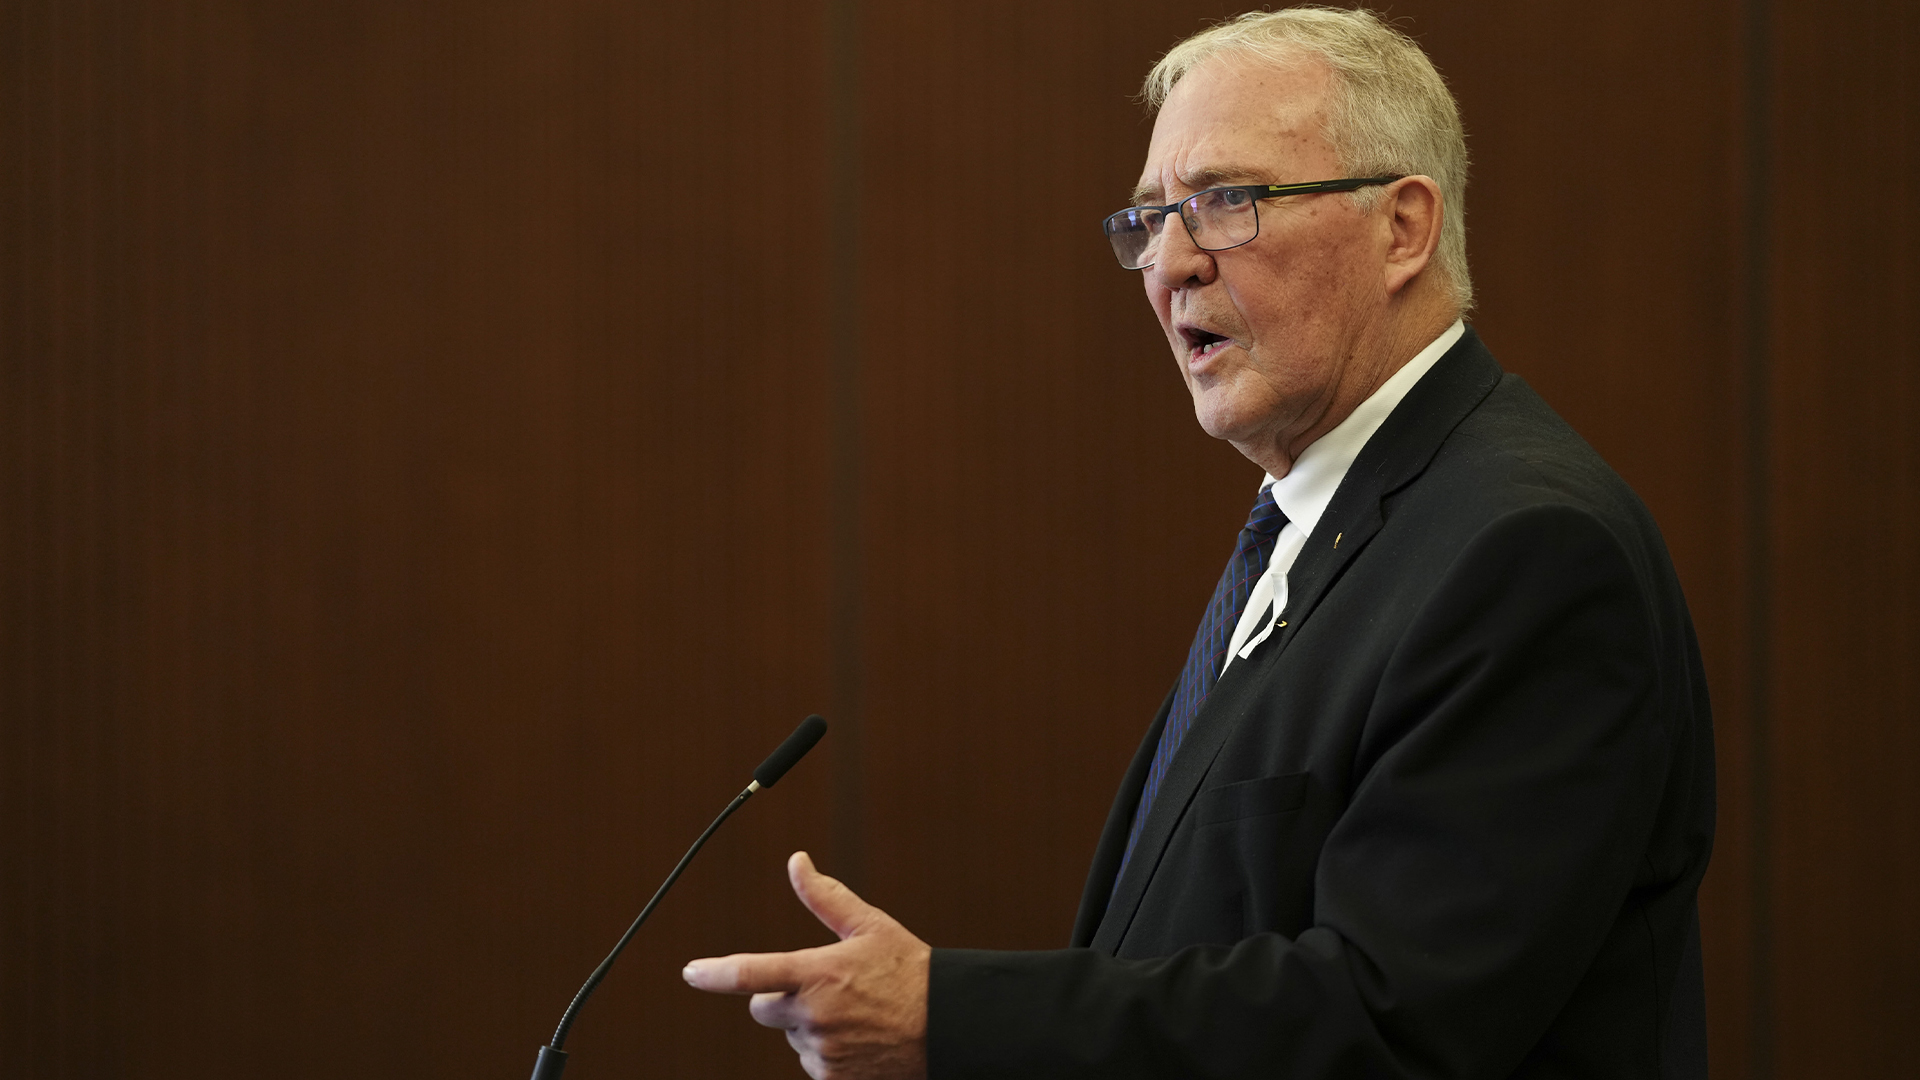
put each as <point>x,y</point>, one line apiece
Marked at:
<point>1389,113</point>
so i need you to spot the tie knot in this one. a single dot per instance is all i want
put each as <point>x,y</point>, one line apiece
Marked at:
<point>1267,517</point>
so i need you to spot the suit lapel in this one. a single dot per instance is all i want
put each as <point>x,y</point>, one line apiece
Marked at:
<point>1391,460</point>
<point>1393,457</point>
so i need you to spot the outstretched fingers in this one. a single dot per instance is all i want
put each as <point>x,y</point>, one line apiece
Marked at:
<point>751,973</point>
<point>854,1009</point>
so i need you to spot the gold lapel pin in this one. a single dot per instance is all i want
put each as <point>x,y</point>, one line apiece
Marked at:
<point>1336,540</point>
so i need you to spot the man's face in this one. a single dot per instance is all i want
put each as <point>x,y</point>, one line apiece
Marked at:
<point>1267,335</point>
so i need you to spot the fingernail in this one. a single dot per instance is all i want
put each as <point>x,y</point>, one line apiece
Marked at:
<point>690,973</point>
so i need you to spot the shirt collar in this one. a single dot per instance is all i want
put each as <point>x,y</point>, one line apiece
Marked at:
<point>1303,494</point>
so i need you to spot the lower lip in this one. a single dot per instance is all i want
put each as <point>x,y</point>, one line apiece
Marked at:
<point>1199,358</point>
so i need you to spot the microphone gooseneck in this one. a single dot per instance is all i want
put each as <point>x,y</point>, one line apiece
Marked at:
<point>552,1058</point>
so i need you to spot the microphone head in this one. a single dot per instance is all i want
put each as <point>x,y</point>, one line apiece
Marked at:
<point>791,751</point>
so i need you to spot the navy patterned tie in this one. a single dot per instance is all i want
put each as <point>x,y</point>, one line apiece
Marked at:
<point>1209,649</point>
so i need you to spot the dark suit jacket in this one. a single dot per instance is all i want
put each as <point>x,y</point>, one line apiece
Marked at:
<point>1449,820</point>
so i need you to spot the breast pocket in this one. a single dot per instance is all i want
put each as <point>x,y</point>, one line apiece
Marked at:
<point>1250,799</point>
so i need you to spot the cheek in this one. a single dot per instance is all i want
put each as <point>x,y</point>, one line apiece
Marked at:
<point>1161,301</point>
<point>1289,306</point>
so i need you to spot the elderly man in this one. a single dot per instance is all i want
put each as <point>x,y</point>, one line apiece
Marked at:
<point>1433,794</point>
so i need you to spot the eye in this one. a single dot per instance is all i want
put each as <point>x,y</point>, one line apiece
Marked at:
<point>1234,200</point>
<point>1134,221</point>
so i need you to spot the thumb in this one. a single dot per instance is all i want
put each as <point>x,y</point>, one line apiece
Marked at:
<point>835,905</point>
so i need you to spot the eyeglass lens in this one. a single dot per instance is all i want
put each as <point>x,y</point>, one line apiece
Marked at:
<point>1215,219</point>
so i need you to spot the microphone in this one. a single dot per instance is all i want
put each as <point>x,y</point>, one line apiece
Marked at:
<point>553,1059</point>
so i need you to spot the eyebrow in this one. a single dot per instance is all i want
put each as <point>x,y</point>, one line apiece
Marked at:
<point>1149,194</point>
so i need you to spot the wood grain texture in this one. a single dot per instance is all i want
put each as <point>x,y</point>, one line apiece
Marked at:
<point>1044,518</point>
<point>415,481</point>
<point>1845,525</point>
<point>418,492</point>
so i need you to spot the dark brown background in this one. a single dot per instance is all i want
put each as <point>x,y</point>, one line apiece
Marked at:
<point>443,446</point>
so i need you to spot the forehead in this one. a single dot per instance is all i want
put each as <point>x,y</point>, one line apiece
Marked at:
<point>1239,119</point>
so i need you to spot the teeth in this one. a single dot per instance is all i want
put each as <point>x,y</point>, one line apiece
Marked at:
<point>1203,343</point>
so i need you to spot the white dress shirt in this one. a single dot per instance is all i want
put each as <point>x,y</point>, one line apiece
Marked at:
<point>1303,494</point>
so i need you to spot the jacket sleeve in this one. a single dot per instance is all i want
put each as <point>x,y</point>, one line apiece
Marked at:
<point>1503,791</point>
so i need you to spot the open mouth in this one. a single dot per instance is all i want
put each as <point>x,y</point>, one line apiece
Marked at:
<point>1203,343</point>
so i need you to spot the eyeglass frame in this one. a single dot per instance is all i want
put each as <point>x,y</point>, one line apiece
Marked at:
<point>1257,191</point>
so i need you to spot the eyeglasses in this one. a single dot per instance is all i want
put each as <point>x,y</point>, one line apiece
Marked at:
<point>1217,219</point>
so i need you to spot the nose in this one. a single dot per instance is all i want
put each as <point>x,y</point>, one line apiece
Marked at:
<point>1179,263</point>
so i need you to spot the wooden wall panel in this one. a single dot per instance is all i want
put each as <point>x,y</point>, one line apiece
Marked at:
<point>1044,520</point>
<point>414,470</point>
<point>414,520</point>
<point>1844,515</point>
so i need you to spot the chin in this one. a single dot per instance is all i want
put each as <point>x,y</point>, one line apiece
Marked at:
<point>1221,423</point>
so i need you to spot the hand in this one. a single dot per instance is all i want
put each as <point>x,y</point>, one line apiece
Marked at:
<point>855,1010</point>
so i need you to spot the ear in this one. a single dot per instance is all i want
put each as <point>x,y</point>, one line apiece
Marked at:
<point>1414,211</point>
